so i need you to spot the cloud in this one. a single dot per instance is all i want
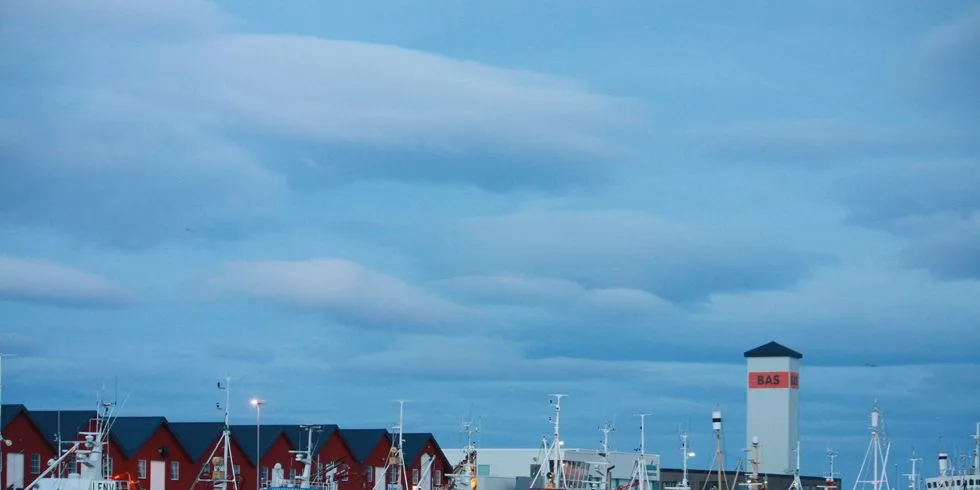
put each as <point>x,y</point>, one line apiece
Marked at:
<point>347,291</point>
<point>943,67</point>
<point>126,172</point>
<point>934,206</point>
<point>624,250</point>
<point>552,292</point>
<point>166,119</point>
<point>42,281</point>
<point>344,92</point>
<point>870,310</point>
<point>837,141</point>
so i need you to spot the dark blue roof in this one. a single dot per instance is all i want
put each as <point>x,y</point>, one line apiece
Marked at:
<point>196,437</point>
<point>71,423</point>
<point>296,435</point>
<point>132,433</point>
<point>773,349</point>
<point>414,443</point>
<point>362,442</point>
<point>244,435</point>
<point>8,413</point>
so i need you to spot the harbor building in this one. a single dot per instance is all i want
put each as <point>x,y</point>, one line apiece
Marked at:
<point>513,469</point>
<point>773,405</point>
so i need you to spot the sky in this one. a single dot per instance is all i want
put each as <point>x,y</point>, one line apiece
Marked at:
<point>471,205</point>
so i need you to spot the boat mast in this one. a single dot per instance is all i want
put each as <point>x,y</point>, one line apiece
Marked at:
<point>464,474</point>
<point>878,454</point>
<point>831,476</point>
<point>976,450</point>
<point>551,472</point>
<point>752,480</point>
<point>640,476</point>
<point>913,476</point>
<point>470,450</point>
<point>221,461</point>
<point>797,484</point>
<point>305,456</point>
<point>606,429</point>
<point>722,478</point>
<point>397,450</point>
<point>3,442</point>
<point>686,454</point>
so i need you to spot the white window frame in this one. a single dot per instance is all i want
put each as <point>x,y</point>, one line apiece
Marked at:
<point>141,469</point>
<point>174,470</point>
<point>35,464</point>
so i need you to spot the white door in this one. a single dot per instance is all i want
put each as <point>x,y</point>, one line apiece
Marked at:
<point>158,475</point>
<point>15,470</point>
<point>426,483</point>
<point>379,478</point>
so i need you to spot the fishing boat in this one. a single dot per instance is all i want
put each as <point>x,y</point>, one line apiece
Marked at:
<point>325,479</point>
<point>551,473</point>
<point>961,479</point>
<point>464,475</point>
<point>81,465</point>
<point>395,463</point>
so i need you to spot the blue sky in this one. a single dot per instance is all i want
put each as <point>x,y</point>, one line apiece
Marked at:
<point>471,205</point>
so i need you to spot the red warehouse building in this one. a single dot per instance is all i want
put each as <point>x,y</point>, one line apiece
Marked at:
<point>162,455</point>
<point>29,450</point>
<point>369,448</point>
<point>58,428</point>
<point>199,439</point>
<point>419,450</point>
<point>147,452</point>
<point>275,448</point>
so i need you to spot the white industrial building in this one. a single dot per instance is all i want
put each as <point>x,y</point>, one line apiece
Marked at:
<point>773,405</point>
<point>513,469</point>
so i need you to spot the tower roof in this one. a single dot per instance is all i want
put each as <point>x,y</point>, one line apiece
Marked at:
<point>773,349</point>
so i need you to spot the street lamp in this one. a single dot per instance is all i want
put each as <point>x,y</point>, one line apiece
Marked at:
<point>257,403</point>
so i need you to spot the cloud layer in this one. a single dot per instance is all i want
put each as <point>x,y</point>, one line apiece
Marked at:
<point>383,202</point>
<point>43,281</point>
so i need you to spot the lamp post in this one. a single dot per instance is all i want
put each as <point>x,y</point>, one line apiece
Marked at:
<point>257,403</point>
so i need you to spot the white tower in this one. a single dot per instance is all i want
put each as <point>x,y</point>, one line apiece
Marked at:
<point>773,405</point>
